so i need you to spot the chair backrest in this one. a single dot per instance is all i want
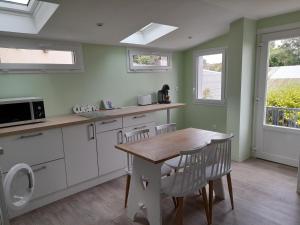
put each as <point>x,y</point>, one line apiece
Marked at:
<point>219,157</point>
<point>136,135</point>
<point>191,172</point>
<point>165,128</point>
<point>133,136</point>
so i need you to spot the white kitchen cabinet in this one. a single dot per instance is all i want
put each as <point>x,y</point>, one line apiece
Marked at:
<point>110,159</point>
<point>31,148</point>
<point>49,178</point>
<point>150,126</point>
<point>134,120</point>
<point>80,153</point>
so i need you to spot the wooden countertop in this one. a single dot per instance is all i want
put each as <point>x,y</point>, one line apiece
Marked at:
<point>167,146</point>
<point>61,121</point>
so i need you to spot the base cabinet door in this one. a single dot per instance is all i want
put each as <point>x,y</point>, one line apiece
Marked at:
<point>110,159</point>
<point>80,153</point>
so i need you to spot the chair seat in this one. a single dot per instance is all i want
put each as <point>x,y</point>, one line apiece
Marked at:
<point>171,188</point>
<point>173,163</point>
<point>165,170</point>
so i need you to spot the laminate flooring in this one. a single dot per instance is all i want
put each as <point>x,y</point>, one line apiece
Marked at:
<point>264,194</point>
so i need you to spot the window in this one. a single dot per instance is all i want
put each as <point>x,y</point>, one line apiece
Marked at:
<point>209,85</point>
<point>147,60</point>
<point>25,16</point>
<point>22,2</point>
<point>30,55</point>
<point>149,33</point>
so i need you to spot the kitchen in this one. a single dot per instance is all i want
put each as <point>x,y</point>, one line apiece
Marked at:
<point>72,150</point>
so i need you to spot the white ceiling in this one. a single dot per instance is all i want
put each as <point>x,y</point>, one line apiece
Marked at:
<point>201,19</point>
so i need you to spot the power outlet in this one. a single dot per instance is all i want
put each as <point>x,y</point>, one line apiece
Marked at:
<point>214,126</point>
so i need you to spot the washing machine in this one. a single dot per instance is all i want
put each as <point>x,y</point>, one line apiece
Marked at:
<point>16,189</point>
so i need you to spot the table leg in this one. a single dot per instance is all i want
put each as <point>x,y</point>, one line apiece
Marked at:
<point>145,198</point>
<point>219,189</point>
<point>168,116</point>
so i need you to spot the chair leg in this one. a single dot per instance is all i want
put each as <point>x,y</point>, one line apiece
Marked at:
<point>175,202</point>
<point>179,211</point>
<point>204,196</point>
<point>127,190</point>
<point>210,202</point>
<point>230,190</point>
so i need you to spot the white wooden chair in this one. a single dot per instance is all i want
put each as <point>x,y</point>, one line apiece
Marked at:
<point>219,165</point>
<point>189,178</point>
<point>163,129</point>
<point>131,137</point>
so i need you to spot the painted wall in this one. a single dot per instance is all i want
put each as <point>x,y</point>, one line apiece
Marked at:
<point>241,76</point>
<point>208,117</point>
<point>293,17</point>
<point>105,77</point>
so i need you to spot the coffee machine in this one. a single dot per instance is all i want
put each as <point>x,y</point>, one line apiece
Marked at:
<point>163,95</point>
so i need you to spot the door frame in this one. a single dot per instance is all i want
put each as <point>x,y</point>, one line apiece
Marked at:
<point>262,56</point>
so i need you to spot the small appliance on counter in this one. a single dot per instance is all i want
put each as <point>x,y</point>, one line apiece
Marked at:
<point>18,111</point>
<point>163,95</point>
<point>144,100</point>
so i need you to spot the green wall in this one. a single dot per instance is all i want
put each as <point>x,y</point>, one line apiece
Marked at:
<point>240,91</point>
<point>105,77</point>
<point>210,117</point>
<point>293,17</point>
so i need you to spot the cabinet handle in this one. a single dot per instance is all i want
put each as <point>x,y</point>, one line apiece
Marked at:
<point>1,151</point>
<point>138,117</point>
<point>31,135</point>
<point>120,137</point>
<point>139,128</point>
<point>107,122</point>
<point>40,169</point>
<point>91,132</point>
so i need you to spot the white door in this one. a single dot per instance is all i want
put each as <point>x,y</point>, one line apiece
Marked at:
<point>110,159</point>
<point>277,128</point>
<point>80,153</point>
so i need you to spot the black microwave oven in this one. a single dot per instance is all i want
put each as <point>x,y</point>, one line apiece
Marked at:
<point>18,111</point>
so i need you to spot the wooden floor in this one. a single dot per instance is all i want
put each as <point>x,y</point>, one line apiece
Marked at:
<point>264,194</point>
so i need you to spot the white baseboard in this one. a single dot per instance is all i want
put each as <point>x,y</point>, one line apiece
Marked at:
<point>37,203</point>
<point>277,158</point>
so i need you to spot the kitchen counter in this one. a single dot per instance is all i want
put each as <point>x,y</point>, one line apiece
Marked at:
<point>61,121</point>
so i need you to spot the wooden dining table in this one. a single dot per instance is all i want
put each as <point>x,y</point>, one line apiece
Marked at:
<point>149,155</point>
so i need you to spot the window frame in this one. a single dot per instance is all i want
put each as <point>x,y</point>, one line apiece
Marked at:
<point>212,51</point>
<point>136,69</point>
<point>10,42</point>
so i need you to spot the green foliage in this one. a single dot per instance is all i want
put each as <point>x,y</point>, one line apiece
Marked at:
<point>146,59</point>
<point>217,67</point>
<point>286,96</point>
<point>287,53</point>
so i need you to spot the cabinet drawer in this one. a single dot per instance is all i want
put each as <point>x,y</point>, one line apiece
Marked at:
<point>137,119</point>
<point>150,126</point>
<point>31,148</point>
<point>109,124</point>
<point>49,178</point>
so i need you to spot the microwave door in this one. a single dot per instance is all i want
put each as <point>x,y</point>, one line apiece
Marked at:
<point>15,113</point>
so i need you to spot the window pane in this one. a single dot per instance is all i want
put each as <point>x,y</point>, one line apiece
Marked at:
<point>283,83</point>
<point>36,56</point>
<point>150,60</point>
<point>22,2</point>
<point>210,77</point>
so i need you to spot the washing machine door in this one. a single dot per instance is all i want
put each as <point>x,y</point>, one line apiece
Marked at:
<point>19,185</point>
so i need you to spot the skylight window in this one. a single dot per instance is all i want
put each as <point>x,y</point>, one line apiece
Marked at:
<point>22,2</point>
<point>28,16</point>
<point>149,33</point>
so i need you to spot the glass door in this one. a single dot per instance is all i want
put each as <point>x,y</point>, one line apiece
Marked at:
<point>278,98</point>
